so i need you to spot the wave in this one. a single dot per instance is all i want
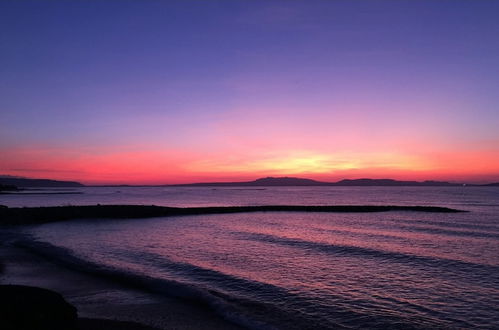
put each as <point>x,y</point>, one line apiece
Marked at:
<point>232,308</point>
<point>456,266</point>
<point>452,225</point>
<point>346,315</point>
<point>201,274</point>
<point>240,309</point>
<point>217,301</point>
<point>449,232</point>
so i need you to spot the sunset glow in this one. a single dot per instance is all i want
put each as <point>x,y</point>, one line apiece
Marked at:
<point>110,92</point>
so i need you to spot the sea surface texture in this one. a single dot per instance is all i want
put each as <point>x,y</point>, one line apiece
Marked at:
<point>293,270</point>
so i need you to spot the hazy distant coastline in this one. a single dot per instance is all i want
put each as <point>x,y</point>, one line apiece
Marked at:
<point>262,182</point>
<point>27,182</point>
<point>292,181</point>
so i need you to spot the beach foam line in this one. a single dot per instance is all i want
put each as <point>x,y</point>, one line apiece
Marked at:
<point>216,301</point>
<point>30,215</point>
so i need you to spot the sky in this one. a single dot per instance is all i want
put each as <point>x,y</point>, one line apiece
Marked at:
<point>158,92</point>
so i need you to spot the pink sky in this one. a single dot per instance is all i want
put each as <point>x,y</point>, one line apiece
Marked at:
<point>328,90</point>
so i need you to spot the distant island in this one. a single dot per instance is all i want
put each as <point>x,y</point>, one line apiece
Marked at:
<point>291,181</point>
<point>9,183</point>
<point>495,184</point>
<point>25,182</point>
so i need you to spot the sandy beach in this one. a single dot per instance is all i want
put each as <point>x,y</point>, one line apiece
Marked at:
<point>103,304</point>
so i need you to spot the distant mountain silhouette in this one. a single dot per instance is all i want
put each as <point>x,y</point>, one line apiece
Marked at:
<point>24,182</point>
<point>268,181</point>
<point>285,181</point>
<point>290,181</point>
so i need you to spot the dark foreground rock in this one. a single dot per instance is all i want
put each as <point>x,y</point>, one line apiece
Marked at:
<point>31,308</point>
<point>100,324</point>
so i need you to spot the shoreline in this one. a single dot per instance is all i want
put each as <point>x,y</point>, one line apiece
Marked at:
<point>34,215</point>
<point>103,303</point>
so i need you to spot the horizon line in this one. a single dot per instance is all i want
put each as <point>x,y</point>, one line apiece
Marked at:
<point>453,182</point>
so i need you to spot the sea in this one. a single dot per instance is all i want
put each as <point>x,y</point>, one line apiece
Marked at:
<point>295,270</point>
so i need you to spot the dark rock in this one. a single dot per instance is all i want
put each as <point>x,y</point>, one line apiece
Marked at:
<point>31,308</point>
<point>8,187</point>
<point>100,324</point>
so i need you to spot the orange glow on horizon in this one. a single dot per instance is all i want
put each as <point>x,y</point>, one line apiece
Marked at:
<point>154,167</point>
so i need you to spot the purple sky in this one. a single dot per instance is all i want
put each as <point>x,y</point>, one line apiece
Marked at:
<point>180,91</point>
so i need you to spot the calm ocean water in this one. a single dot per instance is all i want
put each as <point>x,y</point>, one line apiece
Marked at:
<point>286,270</point>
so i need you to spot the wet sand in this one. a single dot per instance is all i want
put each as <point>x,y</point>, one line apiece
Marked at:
<point>103,304</point>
